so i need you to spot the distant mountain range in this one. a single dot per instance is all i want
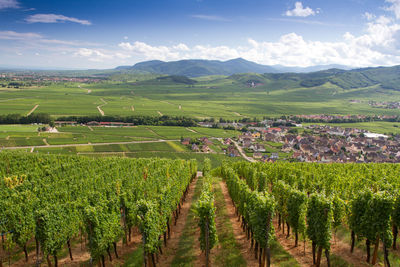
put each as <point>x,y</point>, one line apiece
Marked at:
<point>198,67</point>
<point>385,77</point>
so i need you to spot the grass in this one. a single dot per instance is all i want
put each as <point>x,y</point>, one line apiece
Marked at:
<point>185,253</point>
<point>27,135</point>
<point>381,127</point>
<point>135,258</point>
<point>216,97</point>
<point>17,128</point>
<point>229,250</point>
<point>280,257</point>
<point>230,254</point>
<point>344,234</point>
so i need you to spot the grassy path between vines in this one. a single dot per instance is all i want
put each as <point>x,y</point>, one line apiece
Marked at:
<point>187,250</point>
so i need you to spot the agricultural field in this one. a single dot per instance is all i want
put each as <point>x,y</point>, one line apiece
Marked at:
<point>280,214</point>
<point>132,142</point>
<point>226,97</point>
<point>381,127</point>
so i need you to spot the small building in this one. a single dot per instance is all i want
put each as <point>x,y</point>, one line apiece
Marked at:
<point>65,123</point>
<point>186,142</point>
<point>195,148</point>
<point>257,155</point>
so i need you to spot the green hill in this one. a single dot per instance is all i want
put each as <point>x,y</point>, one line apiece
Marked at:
<point>197,67</point>
<point>386,77</point>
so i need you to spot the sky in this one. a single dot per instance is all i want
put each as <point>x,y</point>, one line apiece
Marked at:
<point>103,34</point>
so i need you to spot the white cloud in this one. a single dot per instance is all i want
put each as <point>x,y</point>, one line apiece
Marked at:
<point>54,18</point>
<point>11,35</point>
<point>100,55</point>
<point>151,52</point>
<point>300,11</point>
<point>379,45</point>
<point>209,17</point>
<point>369,16</point>
<point>9,4</point>
<point>395,7</point>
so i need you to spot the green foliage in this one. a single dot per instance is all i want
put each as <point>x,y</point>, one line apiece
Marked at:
<point>205,211</point>
<point>396,211</point>
<point>149,225</point>
<point>297,208</point>
<point>261,214</point>
<point>206,167</point>
<point>319,220</point>
<point>256,208</point>
<point>339,211</point>
<point>55,197</point>
<point>370,216</point>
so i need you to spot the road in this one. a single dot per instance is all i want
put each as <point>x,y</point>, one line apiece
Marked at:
<point>92,144</point>
<point>239,148</point>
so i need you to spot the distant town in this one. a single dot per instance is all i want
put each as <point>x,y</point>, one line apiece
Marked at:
<point>314,143</point>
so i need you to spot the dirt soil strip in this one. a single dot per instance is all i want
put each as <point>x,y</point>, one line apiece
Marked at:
<point>191,130</point>
<point>177,230</point>
<point>100,106</point>
<point>159,113</point>
<point>240,236</point>
<point>81,255</point>
<point>32,110</point>
<point>341,249</point>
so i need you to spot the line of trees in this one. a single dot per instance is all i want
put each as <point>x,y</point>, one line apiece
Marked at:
<point>136,120</point>
<point>20,119</point>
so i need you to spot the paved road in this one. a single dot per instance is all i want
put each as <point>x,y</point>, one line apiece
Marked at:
<point>239,148</point>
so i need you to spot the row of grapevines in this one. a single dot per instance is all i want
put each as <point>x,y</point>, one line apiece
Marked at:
<point>370,204</point>
<point>256,210</point>
<point>56,198</point>
<point>205,211</point>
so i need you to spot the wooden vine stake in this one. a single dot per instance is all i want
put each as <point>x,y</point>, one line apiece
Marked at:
<point>207,232</point>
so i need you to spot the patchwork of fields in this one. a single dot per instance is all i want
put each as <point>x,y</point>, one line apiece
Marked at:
<point>215,97</point>
<point>135,142</point>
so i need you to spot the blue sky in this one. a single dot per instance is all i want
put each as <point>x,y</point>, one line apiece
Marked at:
<point>104,34</point>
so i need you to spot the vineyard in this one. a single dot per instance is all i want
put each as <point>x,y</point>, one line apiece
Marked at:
<point>53,199</point>
<point>239,214</point>
<point>313,200</point>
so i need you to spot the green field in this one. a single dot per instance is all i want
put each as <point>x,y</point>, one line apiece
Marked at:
<point>94,141</point>
<point>381,127</point>
<point>215,96</point>
<point>27,135</point>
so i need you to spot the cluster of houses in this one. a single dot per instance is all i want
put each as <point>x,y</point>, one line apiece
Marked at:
<point>198,145</point>
<point>387,105</point>
<point>335,144</point>
<point>38,78</point>
<point>250,141</point>
<point>94,123</point>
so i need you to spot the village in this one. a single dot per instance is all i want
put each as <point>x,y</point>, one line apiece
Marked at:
<point>314,143</point>
<point>264,141</point>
